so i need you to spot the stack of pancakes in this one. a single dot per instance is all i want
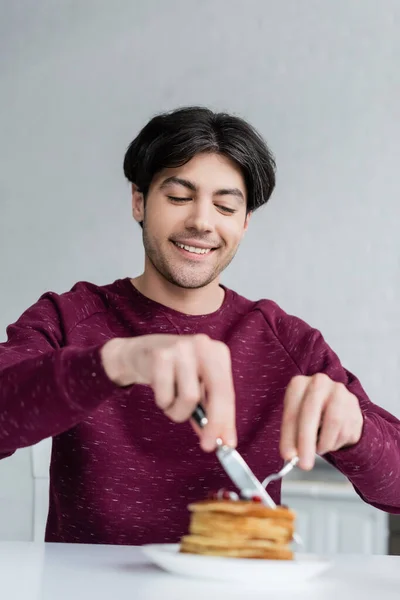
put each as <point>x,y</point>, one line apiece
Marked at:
<point>239,529</point>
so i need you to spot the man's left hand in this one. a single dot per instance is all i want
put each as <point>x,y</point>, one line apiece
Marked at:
<point>319,416</point>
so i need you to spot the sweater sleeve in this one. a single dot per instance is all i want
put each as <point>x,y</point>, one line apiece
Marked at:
<point>46,387</point>
<point>373,464</point>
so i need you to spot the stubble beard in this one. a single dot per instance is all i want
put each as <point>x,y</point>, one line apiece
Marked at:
<point>184,278</point>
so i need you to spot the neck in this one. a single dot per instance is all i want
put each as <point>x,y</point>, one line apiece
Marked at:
<point>199,301</point>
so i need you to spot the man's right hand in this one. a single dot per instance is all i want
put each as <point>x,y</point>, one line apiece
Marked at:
<point>182,371</point>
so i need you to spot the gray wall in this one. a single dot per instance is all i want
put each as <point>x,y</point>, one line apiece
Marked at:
<point>320,80</point>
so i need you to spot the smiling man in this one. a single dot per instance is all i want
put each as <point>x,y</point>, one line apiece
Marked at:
<point>192,193</point>
<point>113,373</point>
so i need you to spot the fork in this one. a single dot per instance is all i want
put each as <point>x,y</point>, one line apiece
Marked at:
<point>275,476</point>
<point>284,471</point>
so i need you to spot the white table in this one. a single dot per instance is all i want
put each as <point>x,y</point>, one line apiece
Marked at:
<point>38,571</point>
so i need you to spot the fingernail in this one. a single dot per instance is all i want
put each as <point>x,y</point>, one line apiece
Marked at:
<point>307,465</point>
<point>208,444</point>
<point>289,453</point>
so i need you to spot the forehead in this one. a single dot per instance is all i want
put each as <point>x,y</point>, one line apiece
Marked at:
<point>208,172</point>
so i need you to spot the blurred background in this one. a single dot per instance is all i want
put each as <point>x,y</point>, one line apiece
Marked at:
<point>319,79</point>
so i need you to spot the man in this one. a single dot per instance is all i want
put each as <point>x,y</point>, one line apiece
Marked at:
<point>113,373</point>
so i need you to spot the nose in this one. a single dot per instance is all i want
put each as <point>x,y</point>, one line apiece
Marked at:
<point>200,216</point>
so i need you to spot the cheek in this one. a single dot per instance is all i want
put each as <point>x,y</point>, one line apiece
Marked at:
<point>232,232</point>
<point>164,217</point>
<point>156,220</point>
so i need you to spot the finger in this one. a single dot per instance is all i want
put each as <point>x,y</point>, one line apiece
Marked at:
<point>216,374</point>
<point>291,407</point>
<point>346,437</point>
<point>197,429</point>
<point>187,384</point>
<point>163,378</point>
<point>332,424</point>
<point>354,424</point>
<point>315,398</point>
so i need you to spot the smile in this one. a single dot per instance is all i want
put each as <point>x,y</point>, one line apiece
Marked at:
<point>193,249</point>
<point>193,253</point>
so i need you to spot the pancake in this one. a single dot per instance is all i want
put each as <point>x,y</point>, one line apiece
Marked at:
<point>239,529</point>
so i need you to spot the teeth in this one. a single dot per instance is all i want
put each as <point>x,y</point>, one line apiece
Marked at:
<point>193,249</point>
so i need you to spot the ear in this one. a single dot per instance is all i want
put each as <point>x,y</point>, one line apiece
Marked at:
<point>246,222</point>
<point>137,204</point>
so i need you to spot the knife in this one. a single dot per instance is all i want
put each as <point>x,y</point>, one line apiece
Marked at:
<point>234,465</point>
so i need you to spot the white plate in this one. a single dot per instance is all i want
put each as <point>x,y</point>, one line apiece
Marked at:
<point>276,574</point>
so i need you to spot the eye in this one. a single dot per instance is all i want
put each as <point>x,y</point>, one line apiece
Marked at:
<point>226,210</point>
<point>176,199</point>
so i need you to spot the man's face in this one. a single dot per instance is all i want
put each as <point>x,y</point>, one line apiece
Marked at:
<point>194,219</point>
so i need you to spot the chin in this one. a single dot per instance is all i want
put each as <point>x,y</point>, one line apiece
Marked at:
<point>191,283</point>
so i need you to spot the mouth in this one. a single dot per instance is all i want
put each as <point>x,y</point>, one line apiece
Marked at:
<point>193,252</point>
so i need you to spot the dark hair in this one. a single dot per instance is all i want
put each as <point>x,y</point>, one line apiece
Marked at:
<point>173,138</point>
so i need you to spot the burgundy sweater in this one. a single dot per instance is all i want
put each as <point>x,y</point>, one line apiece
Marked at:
<point>121,472</point>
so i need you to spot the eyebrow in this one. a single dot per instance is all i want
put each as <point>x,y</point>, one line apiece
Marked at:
<point>179,181</point>
<point>193,188</point>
